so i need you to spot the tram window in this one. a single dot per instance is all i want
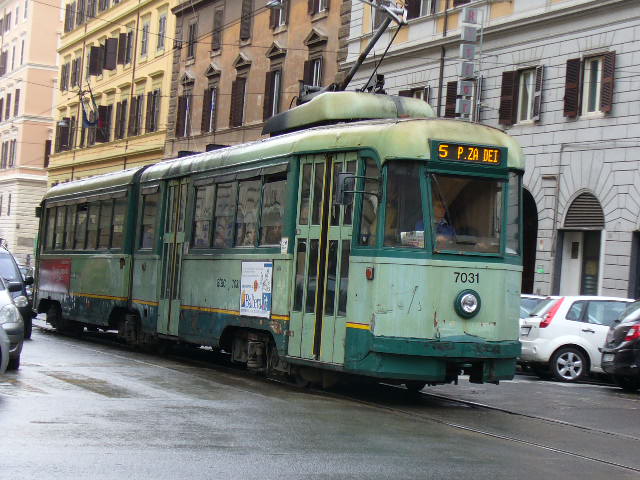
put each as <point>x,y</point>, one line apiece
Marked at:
<point>404,224</point>
<point>92,225</point>
<point>312,277</point>
<point>305,195</point>
<point>344,278</point>
<point>348,209</point>
<point>318,179</point>
<point>81,226</point>
<point>466,213</point>
<point>273,198</point>
<point>59,236</point>
<point>513,215</point>
<point>203,216</point>
<point>247,216</point>
<point>149,213</point>
<point>104,232</point>
<point>332,280</point>
<point>119,215</point>
<point>225,214</point>
<point>51,227</point>
<point>369,212</point>
<point>301,258</point>
<point>69,228</point>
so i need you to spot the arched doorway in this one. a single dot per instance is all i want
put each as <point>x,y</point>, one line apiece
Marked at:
<point>529,237</point>
<point>580,241</point>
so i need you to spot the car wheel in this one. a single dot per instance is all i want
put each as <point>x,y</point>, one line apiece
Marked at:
<point>628,384</point>
<point>28,327</point>
<point>14,363</point>
<point>569,364</point>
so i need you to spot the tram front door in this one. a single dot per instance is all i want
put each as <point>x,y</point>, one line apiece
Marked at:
<point>323,246</point>
<point>173,242</point>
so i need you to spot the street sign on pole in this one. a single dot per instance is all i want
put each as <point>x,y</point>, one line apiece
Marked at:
<point>467,51</point>
<point>466,69</point>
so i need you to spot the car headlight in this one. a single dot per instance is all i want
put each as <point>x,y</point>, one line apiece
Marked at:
<point>9,314</point>
<point>467,303</point>
<point>20,301</point>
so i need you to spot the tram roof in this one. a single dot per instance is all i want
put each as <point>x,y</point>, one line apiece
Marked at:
<point>106,181</point>
<point>391,139</point>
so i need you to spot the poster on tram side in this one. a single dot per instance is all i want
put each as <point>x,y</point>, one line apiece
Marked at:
<point>255,289</point>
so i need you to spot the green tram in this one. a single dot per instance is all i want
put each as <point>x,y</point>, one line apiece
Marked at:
<point>365,236</point>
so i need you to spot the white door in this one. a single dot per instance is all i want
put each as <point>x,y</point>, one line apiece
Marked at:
<point>571,263</point>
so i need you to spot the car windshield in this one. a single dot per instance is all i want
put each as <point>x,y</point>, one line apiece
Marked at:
<point>543,307</point>
<point>528,304</point>
<point>631,314</point>
<point>8,269</point>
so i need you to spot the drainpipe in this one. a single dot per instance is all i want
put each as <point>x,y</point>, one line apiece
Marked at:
<point>442,55</point>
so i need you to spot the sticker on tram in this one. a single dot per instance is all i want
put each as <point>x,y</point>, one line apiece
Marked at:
<point>469,153</point>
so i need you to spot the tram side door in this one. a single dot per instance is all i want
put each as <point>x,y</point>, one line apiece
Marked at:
<point>173,242</point>
<point>323,247</point>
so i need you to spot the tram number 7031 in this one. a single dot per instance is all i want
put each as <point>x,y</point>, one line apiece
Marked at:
<point>463,277</point>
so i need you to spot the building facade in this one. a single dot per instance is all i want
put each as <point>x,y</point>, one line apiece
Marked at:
<point>115,62</point>
<point>241,62</point>
<point>559,75</point>
<point>28,72</point>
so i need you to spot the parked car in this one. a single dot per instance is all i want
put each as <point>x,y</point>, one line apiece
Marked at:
<point>621,351</point>
<point>10,272</point>
<point>563,335</point>
<point>11,323</point>
<point>528,303</point>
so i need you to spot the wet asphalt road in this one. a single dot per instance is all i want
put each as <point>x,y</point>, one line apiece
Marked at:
<point>81,409</point>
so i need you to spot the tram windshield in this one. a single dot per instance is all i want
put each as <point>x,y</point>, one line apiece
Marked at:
<point>466,213</point>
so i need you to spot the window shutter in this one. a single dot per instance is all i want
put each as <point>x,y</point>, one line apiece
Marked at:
<point>149,118</point>
<point>16,104</point>
<point>128,50</point>
<point>405,93</point>
<point>245,22</point>
<point>413,8</point>
<point>132,117</point>
<point>267,106</point>
<point>122,48</point>
<point>102,132</point>
<point>80,14</point>
<point>206,110</point>
<point>286,8</point>
<point>1,108</point>
<point>237,101</point>
<point>182,104</point>
<point>67,15</point>
<point>116,129</point>
<point>58,133</point>
<point>328,5</point>
<point>64,134</point>
<point>273,18</point>
<point>572,88</point>
<point>608,73</point>
<point>218,18</point>
<point>95,67</point>
<point>450,103</point>
<point>47,152</point>
<point>310,6</point>
<point>307,72</point>
<point>7,111</point>
<point>111,54</point>
<point>506,113</point>
<point>537,97</point>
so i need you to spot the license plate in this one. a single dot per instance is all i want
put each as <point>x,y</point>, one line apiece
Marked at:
<point>524,331</point>
<point>607,357</point>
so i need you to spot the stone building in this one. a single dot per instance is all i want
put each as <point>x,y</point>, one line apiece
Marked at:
<point>241,62</point>
<point>561,77</point>
<point>115,62</point>
<point>28,36</point>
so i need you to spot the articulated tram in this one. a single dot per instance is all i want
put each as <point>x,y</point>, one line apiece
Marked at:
<point>365,236</point>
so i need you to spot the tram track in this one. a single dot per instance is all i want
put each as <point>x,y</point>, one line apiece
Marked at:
<point>367,397</point>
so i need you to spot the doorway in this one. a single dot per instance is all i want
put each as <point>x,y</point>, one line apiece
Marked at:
<point>529,237</point>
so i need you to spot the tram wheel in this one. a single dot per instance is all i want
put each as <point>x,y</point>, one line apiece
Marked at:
<point>415,386</point>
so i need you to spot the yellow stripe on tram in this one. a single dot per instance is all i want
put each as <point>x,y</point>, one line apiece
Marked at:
<point>284,318</point>
<point>212,310</point>
<point>145,302</point>
<point>101,297</point>
<point>360,326</point>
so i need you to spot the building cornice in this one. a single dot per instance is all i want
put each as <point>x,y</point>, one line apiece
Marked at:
<point>179,9</point>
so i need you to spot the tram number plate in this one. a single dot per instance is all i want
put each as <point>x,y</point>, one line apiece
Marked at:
<point>464,277</point>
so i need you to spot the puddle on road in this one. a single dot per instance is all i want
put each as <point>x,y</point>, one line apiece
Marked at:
<point>13,386</point>
<point>94,385</point>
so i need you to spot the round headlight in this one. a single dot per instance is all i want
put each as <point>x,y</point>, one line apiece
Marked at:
<point>467,303</point>
<point>9,314</point>
<point>20,301</point>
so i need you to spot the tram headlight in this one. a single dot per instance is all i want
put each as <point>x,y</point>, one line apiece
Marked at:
<point>467,303</point>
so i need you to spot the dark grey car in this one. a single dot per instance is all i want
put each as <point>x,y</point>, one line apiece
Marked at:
<point>10,272</point>
<point>621,351</point>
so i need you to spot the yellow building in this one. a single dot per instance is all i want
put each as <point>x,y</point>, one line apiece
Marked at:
<point>121,52</point>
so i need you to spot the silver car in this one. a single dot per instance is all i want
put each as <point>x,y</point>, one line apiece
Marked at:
<point>12,325</point>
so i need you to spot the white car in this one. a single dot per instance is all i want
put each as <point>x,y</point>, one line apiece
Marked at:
<point>563,334</point>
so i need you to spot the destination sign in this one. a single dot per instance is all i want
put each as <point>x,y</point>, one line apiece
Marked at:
<point>468,153</point>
